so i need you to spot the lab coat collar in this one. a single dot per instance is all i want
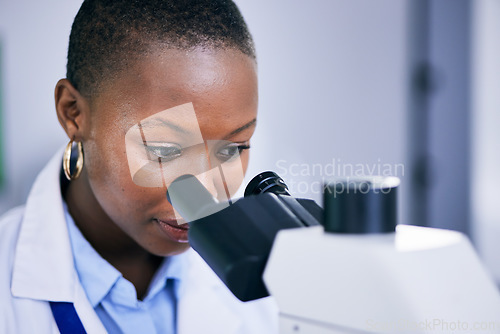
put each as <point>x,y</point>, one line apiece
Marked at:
<point>203,299</point>
<point>43,266</point>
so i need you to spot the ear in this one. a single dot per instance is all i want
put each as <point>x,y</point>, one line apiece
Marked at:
<point>72,110</point>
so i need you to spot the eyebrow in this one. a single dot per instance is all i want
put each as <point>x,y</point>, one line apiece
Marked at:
<point>151,123</point>
<point>241,128</point>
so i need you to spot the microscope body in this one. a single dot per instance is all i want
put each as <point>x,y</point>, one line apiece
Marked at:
<point>415,280</point>
<point>345,269</point>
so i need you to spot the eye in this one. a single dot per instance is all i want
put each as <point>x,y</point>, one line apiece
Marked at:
<point>166,152</point>
<point>231,151</point>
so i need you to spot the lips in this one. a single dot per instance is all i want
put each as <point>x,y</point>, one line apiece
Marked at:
<point>175,230</point>
<point>180,224</point>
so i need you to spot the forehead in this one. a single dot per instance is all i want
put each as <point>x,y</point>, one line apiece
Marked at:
<point>220,84</point>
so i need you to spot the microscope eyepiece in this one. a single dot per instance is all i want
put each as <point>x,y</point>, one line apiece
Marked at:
<point>191,199</point>
<point>267,182</point>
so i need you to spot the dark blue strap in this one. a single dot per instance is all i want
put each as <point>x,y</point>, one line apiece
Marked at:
<point>67,319</point>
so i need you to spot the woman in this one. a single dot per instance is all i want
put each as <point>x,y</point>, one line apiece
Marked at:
<point>153,89</point>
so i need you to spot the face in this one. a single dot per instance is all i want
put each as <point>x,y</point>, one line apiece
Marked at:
<point>195,111</point>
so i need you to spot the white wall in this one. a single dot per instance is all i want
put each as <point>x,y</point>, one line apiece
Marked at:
<point>34,37</point>
<point>332,87</point>
<point>485,169</point>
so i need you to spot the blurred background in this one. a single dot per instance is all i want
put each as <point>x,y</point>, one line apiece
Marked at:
<point>408,88</point>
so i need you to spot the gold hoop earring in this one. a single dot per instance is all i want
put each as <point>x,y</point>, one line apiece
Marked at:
<point>67,160</point>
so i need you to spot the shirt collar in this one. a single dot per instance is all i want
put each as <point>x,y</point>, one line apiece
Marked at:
<point>99,277</point>
<point>172,267</point>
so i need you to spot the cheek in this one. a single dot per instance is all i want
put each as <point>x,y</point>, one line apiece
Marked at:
<point>106,163</point>
<point>245,157</point>
<point>110,180</point>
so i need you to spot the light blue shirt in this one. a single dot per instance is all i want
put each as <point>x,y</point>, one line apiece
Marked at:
<point>114,298</point>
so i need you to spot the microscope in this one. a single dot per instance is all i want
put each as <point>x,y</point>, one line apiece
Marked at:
<point>346,267</point>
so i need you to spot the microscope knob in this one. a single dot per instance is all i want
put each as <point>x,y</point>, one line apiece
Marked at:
<point>361,205</point>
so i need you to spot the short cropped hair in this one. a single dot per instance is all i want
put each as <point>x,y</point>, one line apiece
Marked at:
<point>108,35</point>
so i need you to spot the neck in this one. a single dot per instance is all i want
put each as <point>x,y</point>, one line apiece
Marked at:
<point>112,243</point>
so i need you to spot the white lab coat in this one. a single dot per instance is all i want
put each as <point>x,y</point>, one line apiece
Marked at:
<point>36,266</point>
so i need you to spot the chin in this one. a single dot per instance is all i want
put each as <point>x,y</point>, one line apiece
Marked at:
<point>181,248</point>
